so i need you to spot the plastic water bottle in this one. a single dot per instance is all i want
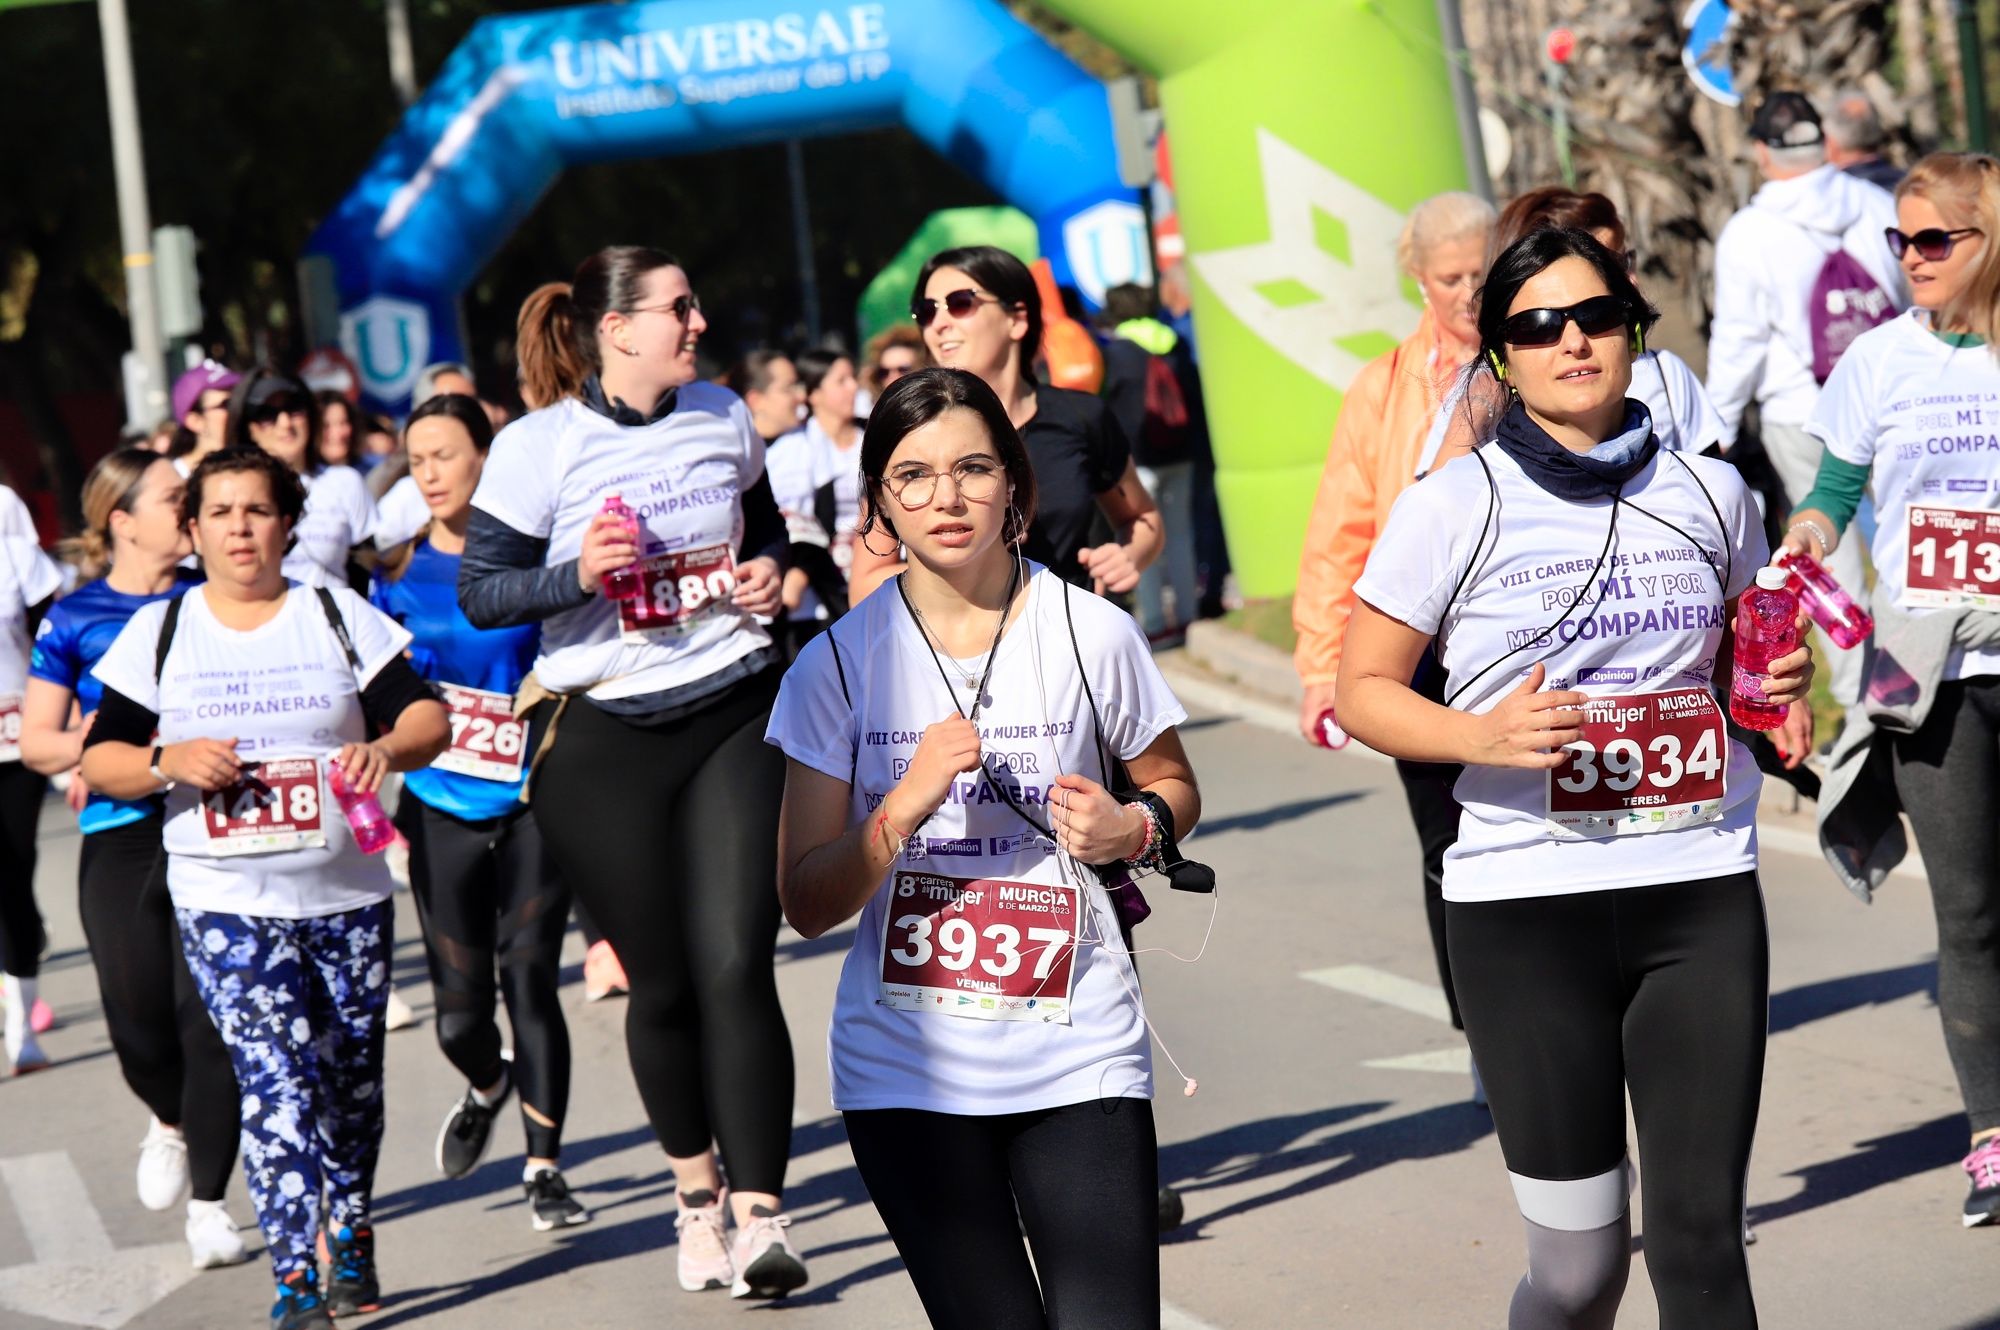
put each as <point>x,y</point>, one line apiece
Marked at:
<point>1836,612</point>
<point>1767,627</point>
<point>373,832</point>
<point>625,584</point>
<point>1327,732</point>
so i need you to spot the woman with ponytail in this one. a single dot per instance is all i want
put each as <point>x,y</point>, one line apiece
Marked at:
<point>651,690</point>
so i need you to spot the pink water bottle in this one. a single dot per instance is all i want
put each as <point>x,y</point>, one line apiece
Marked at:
<point>624,584</point>
<point>1327,732</point>
<point>372,830</point>
<point>1827,601</point>
<point>1767,627</point>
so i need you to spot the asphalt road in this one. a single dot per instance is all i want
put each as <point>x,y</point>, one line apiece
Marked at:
<point>1333,1170</point>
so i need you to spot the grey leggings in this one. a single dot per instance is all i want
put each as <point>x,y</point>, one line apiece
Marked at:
<point>1948,775</point>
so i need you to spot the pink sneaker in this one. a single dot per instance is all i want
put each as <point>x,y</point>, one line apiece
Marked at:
<point>766,1265</point>
<point>704,1249</point>
<point>1982,1167</point>
<point>41,1017</point>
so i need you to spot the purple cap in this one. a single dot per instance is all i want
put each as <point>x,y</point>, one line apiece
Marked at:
<point>189,387</point>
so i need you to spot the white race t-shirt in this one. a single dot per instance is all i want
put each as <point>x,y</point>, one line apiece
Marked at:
<point>800,465</point>
<point>548,476</point>
<point>27,577</point>
<point>339,515</point>
<point>1658,626</point>
<point>1925,416</point>
<point>282,690</point>
<point>401,514</point>
<point>1037,726</point>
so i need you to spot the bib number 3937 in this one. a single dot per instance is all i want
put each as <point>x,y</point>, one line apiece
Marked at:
<point>987,949</point>
<point>486,740</point>
<point>278,805</point>
<point>1646,762</point>
<point>1954,559</point>
<point>677,589</point>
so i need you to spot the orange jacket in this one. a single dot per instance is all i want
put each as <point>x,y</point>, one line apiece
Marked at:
<point>1376,445</point>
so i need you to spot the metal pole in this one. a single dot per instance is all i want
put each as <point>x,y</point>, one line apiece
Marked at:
<point>795,163</point>
<point>1465,96</point>
<point>402,62</point>
<point>1972,64</point>
<point>135,223</point>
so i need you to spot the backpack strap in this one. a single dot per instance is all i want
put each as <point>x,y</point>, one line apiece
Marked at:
<point>1096,725</point>
<point>854,719</point>
<point>339,626</point>
<point>168,622</point>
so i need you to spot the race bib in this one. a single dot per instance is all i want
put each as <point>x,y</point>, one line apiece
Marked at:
<point>1646,762</point>
<point>486,740</point>
<point>276,806</point>
<point>1953,560</point>
<point>10,729</point>
<point>989,949</point>
<point>677,590</point>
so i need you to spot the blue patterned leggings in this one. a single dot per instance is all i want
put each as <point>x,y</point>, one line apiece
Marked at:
<point>299,1003</point>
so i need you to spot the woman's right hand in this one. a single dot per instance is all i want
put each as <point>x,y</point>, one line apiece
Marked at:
<point>609,545</point>
<point>206,764</point>
<point>948,750</point>
<point>1801,533</point>
<point>1319,697</point>
<point>1529,727</point>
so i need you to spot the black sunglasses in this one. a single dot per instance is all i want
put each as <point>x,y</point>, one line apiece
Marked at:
<point>267,412</point>
<point>958,303</point>
<point>1932,243</point>
<point>680,307</point>
<point>1544,327</point>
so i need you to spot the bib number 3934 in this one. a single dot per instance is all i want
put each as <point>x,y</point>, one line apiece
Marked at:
<point>1954,559</point>
<point>677,589</point>
<point>486,740</point>
<point>987,949</point>
<point>278,805</point>
<point>1646,762</point>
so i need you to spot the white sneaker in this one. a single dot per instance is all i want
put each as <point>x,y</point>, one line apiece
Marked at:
<point>163,1167</point>
<point>24,1051</point>
<point>213,1241</point>
<point>766,1264</point>
<point>702,1259</point>
<point>398,1015</point>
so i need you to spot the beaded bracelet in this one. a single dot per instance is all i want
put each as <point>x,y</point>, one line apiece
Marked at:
<point>1151,857</point>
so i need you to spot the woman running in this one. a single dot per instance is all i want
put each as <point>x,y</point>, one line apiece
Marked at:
<point>240,700</point>
<point>1376,455</point>
<point>487,891</point>
<point>816,478</point>
<point>275,411</point>
<point>1603,912</point>
<point>979,311</point>
<point>950,748</point>
<point>1937,636</point>
<point>653,787</point>
<point>168,1050</point>
<point>28,583</point>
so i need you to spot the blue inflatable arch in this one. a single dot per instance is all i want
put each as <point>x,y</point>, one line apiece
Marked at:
<point>526,95</point>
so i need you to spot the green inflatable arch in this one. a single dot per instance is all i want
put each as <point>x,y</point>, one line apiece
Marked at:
<point>1303,131</point>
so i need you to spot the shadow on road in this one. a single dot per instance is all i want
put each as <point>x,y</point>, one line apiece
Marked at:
<point>1886,1159</point>
<point>1268,817</point>
<point>1272,1147</point>
<point>1830,997</point>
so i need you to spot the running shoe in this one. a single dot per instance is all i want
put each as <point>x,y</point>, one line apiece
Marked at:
<point>41,1017</point>
<point>468,1130</point>
<point>1982,1167</point>
<point>766,1265</point>
<point>703,1258</point>
<point>299,1305</point>
<point>163,1167</point>
<point>25,1054</point>
<point>603,976</point>
<point>212,1239</point>
<point>550,1205</point>
<point>397,1015</point>
<point>351,1285</point>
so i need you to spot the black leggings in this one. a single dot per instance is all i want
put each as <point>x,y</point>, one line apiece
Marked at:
<point>1571,999</point>
<point>168,1049</point>
<point>488,895</point>
<point>956,1194</point>
<point>21,935</point>
<point>668,834</point>
<point>1948,776</point>
<point>1434,810</point>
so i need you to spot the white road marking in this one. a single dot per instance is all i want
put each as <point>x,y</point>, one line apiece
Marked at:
<point>1173,1318</point>
<point>1391,990</point>
<point>78,1277</point>
<point>1456,1061</point>
<point>55,1208</point>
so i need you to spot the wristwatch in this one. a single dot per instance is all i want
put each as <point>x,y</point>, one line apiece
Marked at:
<point>154,768</point>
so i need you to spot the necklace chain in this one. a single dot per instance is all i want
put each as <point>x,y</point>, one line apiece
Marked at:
<point>935,647</point>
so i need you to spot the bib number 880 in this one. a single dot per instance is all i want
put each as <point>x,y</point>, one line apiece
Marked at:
<point>1624,763</point>
<point>691,592</point>
<point>955,946</point>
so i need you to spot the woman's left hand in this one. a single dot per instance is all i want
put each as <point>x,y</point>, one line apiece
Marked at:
<point>1091,825</point>
<point>1110,568</point>
<point>759,588</point>
<point>364,766</point>
<point>1794,739</point>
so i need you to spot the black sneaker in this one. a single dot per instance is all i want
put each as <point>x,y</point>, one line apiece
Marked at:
<point>299,1305</point>
<point>351,1286</point>
<point>467,1131</point>
<point>549,1203</point>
